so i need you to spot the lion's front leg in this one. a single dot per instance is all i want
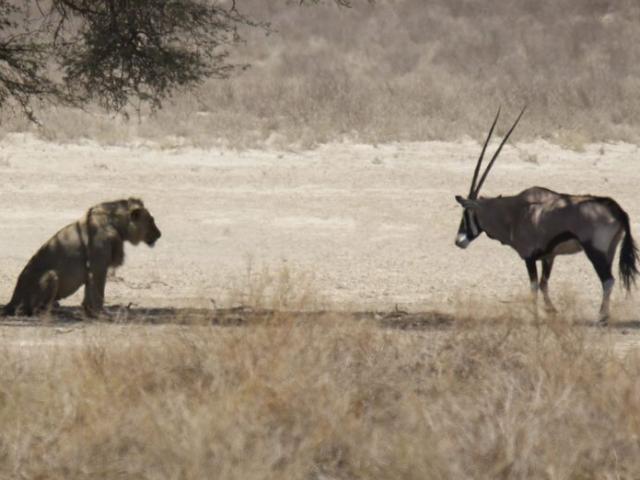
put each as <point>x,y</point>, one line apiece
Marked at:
<point>117,250</point>
<point>93,302</point>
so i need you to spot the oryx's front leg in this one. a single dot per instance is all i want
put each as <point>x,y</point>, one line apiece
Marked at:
<point>547,265</point>
<point>532,269</point>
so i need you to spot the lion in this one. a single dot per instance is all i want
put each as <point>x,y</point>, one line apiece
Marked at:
<point>81,254</point>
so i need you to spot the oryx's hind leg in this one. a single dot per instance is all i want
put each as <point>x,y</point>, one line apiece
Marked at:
<point>547,265</point>
<point>602,263</point>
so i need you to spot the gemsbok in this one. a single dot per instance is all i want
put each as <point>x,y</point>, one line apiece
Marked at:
<point>540,224</point>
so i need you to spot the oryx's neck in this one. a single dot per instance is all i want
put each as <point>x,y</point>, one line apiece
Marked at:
<point>496,217</point>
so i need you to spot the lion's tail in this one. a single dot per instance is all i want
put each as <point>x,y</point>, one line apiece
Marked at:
<point>9,310</point>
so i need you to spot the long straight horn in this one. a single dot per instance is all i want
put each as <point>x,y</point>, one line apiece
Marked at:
<point>495,155</point>
<point>484,147</point>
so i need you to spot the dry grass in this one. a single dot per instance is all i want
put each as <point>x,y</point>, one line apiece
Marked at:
<point>404,70</point>
<point>281,288</point>
<point>490,398</point>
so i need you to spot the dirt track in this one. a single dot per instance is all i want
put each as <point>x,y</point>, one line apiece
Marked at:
<point>373,226</point>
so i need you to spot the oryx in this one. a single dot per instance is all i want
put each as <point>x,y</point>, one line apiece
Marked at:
<point>540,224</point>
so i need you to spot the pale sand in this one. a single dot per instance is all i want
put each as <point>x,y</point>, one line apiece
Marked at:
<point>374,225</point>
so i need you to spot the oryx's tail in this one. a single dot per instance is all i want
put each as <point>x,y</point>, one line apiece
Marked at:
<point>628,255</point>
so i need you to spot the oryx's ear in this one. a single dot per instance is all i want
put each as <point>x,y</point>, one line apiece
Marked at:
<point>466,203</point>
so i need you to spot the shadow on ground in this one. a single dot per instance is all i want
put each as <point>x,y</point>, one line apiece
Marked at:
<point>245,316</point>
<point>228,317</point>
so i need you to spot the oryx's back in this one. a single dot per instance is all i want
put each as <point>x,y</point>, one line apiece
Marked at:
<point>554,200</point>
<point>579,215</point>
<point>548,222</point>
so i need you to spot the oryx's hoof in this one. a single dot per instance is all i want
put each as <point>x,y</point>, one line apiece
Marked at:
<point>603,321</point>
<point>550,310</point>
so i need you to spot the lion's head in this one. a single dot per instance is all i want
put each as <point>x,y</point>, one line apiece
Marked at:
<point>142,227</point>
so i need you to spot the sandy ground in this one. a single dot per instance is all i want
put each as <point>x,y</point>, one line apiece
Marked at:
<point>372,225</point>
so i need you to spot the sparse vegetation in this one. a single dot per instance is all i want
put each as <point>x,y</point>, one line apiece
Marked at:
<point>405,70</point>
<point>528,157</point>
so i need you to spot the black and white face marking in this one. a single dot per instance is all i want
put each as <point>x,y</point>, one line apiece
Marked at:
<point>469,229</point>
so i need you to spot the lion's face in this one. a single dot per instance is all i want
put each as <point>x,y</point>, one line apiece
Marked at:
<point>142,227</point>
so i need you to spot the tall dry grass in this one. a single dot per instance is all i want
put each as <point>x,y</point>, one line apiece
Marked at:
<point>404,70</point>
<point>333,399</point>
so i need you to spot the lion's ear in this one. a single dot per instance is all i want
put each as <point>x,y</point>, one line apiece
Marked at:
<point>136,214</point>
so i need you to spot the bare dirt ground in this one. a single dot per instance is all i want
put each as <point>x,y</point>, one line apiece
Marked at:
<point>370,227</point>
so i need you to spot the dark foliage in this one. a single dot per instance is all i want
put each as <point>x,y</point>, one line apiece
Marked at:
<point>115,52</point>
<point>23,60</point>
<point>129,49</point>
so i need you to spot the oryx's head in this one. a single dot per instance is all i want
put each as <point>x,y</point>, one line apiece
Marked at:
<point>470,227</point>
